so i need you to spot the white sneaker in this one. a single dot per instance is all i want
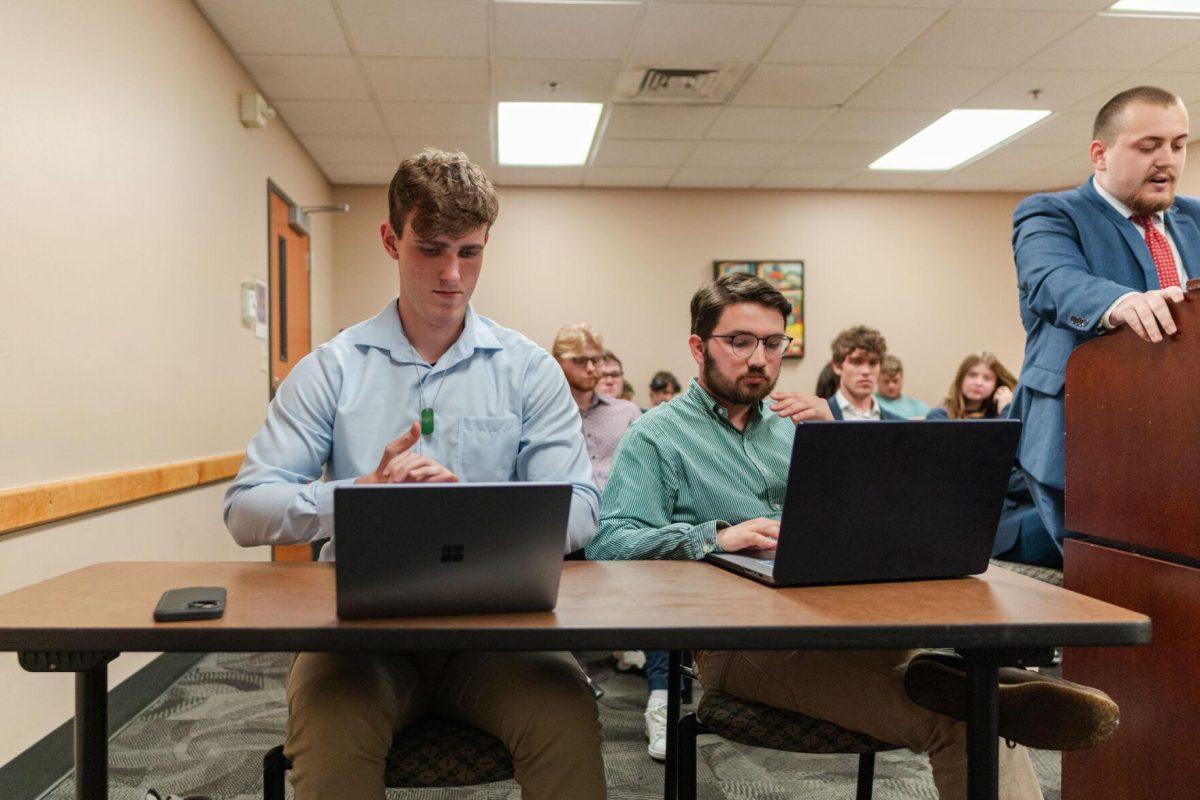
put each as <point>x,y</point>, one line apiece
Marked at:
<point>629,659</point>
<point>656,731</point>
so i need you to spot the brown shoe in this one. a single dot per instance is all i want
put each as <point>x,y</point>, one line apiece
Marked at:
<point>1036,710</point>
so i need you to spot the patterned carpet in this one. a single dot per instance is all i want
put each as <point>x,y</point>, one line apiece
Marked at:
<point>207,735</point>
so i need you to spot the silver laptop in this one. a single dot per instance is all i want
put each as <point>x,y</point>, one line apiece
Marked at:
<point>463,548</point>
<point>887,501</point>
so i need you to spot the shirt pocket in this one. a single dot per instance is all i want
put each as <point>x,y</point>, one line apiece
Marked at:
<point>487,448</point>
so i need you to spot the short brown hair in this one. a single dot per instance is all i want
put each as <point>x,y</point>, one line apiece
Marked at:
<point>890,365</point>
<point>1104,127</point>
<point>449,194</point>
<point>731,288</point>
<point>860,337</point>
<point>956,404</point>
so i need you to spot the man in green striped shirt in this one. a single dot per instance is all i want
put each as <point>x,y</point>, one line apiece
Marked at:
<point>707,472</point>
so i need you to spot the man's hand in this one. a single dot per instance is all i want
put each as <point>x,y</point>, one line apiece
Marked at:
<point>1003,397</point>
<point>800,407</point>
<point>753,534</point>
<point>400,464</point>
<point>1147,313</point>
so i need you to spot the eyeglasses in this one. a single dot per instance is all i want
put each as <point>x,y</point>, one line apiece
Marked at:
<point>743,345</point>
<point>608,373</point>
<point>583,361</point>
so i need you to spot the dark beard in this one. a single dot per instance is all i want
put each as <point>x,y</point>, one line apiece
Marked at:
<point>733,393</point>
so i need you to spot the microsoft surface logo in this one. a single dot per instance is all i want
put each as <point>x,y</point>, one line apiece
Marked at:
<point>452,552</point>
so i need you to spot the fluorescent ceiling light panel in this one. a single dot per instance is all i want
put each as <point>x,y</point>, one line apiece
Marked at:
<point>546,134</point>
<point>957,137</point>
<point>1178,7</point>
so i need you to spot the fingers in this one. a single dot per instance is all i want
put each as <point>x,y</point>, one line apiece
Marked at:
<point>1174,294</point>
<point>1148,322</point>
<point>403,442</point>
<point>434,473</point>
<point>1162,312</point>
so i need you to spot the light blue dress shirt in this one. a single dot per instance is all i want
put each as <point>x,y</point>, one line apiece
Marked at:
<point>502,412</point>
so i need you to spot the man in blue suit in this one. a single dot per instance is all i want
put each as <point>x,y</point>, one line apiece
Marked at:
<point>1115,251</point>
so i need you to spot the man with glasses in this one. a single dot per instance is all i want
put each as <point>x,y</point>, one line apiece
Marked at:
<point>612,376</point>
<point>707,472</point>
<point>580,352</point>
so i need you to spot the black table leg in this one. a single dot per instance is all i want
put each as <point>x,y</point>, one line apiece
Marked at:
<point>91,712</point>
<point>671,777</point>
<point>983,732</point>
<point>91,733</point>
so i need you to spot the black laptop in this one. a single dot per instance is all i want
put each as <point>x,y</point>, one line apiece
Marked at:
<point>461,548</point>
<point>887,501</point>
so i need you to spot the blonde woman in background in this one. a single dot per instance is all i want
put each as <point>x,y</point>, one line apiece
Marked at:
<point>982,389</point>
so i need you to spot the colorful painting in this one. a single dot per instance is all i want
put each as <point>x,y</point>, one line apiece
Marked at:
<point>788,278</point>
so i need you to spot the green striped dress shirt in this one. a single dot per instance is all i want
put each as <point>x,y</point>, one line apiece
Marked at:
<point>682,471</point>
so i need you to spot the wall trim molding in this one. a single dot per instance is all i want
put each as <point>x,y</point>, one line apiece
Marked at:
<point>45,763</point>
<point>38,504</point>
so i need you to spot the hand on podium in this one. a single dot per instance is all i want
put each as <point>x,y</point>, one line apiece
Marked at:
<point>1148,314</point>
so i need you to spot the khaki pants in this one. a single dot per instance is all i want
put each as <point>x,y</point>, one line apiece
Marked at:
<point>343,709</point>
<point>863,690</point>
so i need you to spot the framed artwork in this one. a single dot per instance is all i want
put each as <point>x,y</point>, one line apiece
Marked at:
<point>786,276</point>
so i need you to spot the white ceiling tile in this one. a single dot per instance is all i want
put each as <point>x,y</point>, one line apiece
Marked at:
<point>889,181</point>
<point>451,119</point>
<point>716,177</point>
<point>922,87</point>
<point>766,124</point>
<point>1184,60</point>
<point>659,121</point>
<point>1186,85</point>
<point>756,2</point>
<point>885,3</point>
<point>810,86</point>
<point>330,117</point>
<point>628,176</point>
<point>972,180</point>
<point>1073,128</point>
<point>1020,158</point>
<point>477,148</point>
<point>810,178</point>
<point>537,176</point>
<point>825,35</point>
<point>563,30</point>
<point>642,152</point>
<point>463,80</point>
<point>1118,42</point>
<point>977,38</point>
<point>371,174</point>
<point>674,34</point>
<point>281,27</point>
<point>1039,5</point>
<point>578,81</point>
<point>811,155</point>
<point>1060,89</point>
<point>869,125</point>
<point>418,28</point>
<point>349,149</point>
<point>737,154</point>
<point>307,77</point>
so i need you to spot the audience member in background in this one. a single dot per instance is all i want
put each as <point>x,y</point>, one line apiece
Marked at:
<point>857,355</point>
<point>1115,251</point>
<point>827,382</point>
<point>890,396</point>
<point>663,386</point>
<point>492,406</point>
<point>580,353</point>
<point>612,376</point>
<point>982,389</point>
<point>627,392</point>
<point>708,471</point>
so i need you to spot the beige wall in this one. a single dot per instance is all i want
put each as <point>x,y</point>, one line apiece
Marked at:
<point>933,271</point>
<point>133,204</point>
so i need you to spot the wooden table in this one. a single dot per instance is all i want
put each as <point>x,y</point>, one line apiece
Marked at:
<point>80,621</point>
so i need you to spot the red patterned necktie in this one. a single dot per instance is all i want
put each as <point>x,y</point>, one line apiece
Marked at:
<point>1160,249</point>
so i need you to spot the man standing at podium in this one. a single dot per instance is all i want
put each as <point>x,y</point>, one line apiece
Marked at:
<point>1115,251</point>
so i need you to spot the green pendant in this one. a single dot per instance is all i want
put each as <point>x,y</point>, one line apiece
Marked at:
<point>426,421</point>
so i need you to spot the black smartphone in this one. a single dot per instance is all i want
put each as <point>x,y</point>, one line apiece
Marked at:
<point>192,602</point>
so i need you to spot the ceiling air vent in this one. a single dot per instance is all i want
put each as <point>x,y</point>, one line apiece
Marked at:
<point>679,84</point>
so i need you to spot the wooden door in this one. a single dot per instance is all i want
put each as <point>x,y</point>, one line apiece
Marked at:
<point>291,325</point>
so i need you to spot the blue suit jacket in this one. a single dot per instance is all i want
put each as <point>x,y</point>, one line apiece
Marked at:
<point>1075,256</point>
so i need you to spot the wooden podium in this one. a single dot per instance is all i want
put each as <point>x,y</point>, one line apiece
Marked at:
<point>1133,491</point>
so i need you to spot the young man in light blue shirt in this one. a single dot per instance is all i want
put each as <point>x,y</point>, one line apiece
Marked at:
<point>425,391</point>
